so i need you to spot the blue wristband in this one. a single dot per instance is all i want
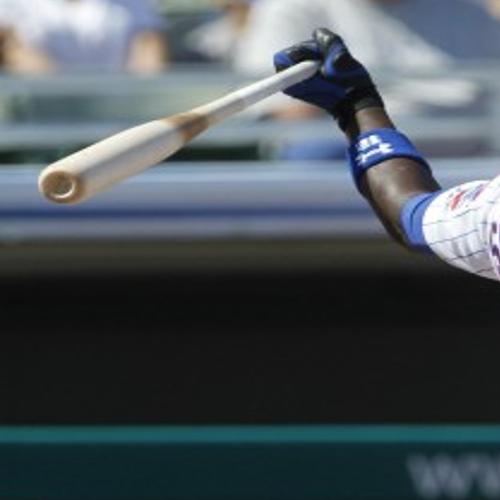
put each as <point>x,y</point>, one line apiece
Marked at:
<point>378,145</point>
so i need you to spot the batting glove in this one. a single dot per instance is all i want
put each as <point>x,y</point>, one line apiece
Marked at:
<point>342,86</point>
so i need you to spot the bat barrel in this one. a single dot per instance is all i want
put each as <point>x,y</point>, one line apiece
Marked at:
<point>97,167</point>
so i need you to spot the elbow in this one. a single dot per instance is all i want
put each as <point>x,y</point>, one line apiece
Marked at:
<point>401,237</point>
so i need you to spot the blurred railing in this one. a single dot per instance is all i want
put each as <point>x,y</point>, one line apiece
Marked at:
<point>205,200</point>
<point>445,115</point>
<point>242,215</point>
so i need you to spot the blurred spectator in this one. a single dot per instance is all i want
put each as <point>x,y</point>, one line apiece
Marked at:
<point>452,24</point>
<point>376,37</point>
<point>396,34</point>
<point>384,34</point>
<point>493,7</point>
<point>46,35</point>
<point>251,31</point>
<point>221,40</point>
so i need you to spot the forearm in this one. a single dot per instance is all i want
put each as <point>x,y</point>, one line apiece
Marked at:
<point>389,185</point>
<point>387,168</point>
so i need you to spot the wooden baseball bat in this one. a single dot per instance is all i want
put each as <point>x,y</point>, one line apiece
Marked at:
<point>103,164</point>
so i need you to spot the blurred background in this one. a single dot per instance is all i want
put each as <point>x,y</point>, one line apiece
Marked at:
<point>245,281</point>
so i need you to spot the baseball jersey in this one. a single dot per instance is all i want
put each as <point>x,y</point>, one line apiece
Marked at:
<point>462,226</point>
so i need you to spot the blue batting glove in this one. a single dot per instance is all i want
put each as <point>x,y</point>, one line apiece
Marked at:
<point>341,87</point>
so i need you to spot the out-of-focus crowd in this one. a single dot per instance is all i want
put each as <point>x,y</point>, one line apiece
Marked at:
<point>47,35</point>
<point>40,36</point>
<point>148,37</point>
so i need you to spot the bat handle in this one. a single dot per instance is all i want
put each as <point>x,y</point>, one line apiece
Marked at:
<point>242,99</point>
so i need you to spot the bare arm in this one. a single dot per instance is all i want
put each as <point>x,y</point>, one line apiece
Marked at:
<point>389,185</point>
<point>387,168</point>
<point>459,225</point>
<point>20,58</point>
<point>148,53</point>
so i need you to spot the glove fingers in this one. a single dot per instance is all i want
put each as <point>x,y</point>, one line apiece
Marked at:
<point>327,39</point>
<point>305,51</point>
<point>337,57</point>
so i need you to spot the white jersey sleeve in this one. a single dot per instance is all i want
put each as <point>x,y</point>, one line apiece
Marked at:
<point>462,227</point>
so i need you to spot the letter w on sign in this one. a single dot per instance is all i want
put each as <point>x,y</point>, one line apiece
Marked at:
<point>458,477</point>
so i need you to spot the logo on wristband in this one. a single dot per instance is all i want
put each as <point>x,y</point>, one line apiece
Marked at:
<point>371,146</point>
<point>379,145</point>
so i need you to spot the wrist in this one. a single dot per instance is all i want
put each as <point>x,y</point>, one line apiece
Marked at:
<point>368,119</point>
<point>357,101</point>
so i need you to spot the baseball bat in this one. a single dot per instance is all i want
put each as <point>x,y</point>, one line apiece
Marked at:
<point>101,165</point>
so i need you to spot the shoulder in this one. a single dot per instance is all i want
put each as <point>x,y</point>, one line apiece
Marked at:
<point>462,226</point>
<point>457,208</point>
